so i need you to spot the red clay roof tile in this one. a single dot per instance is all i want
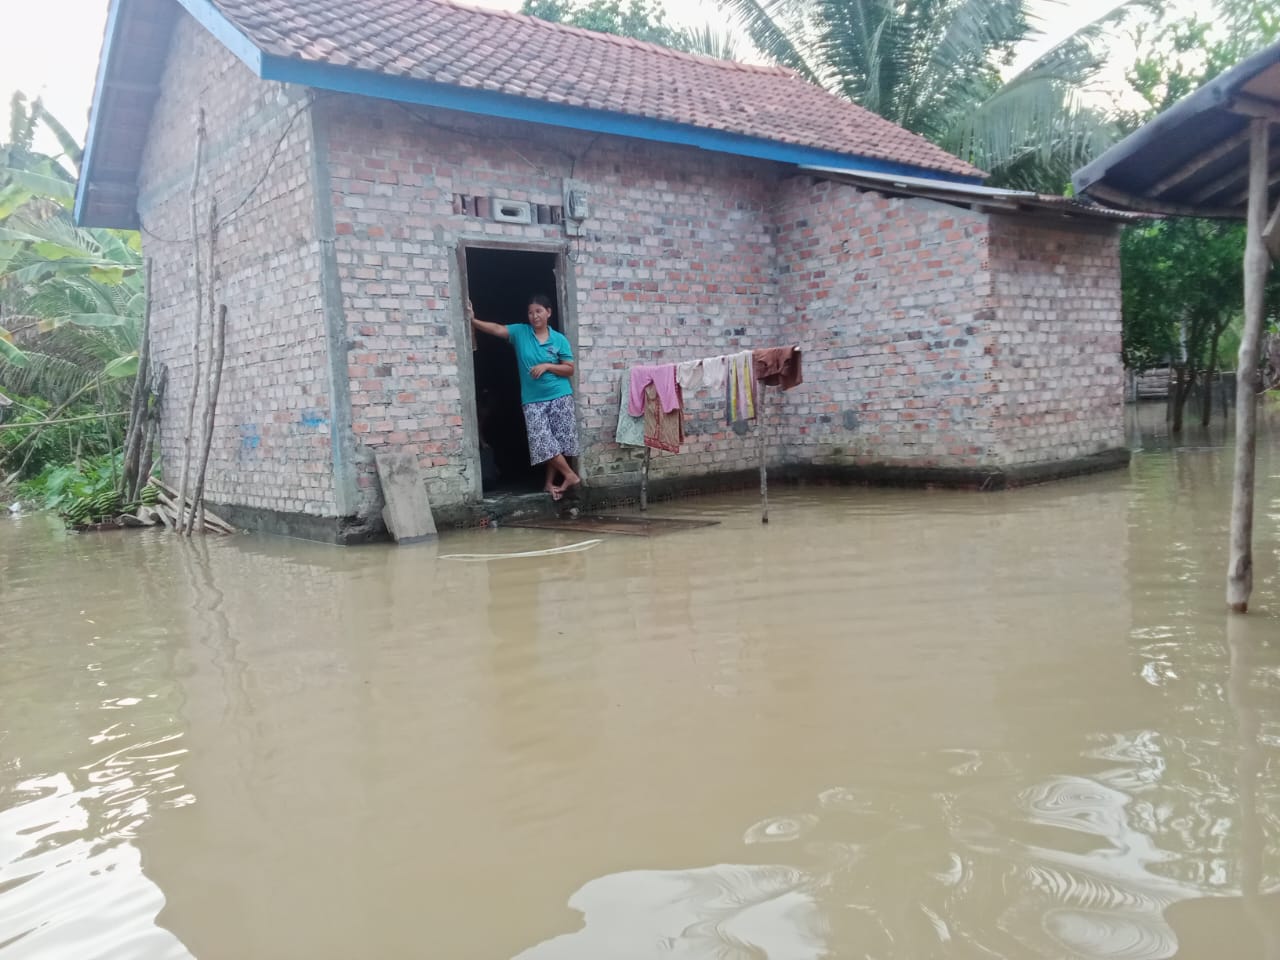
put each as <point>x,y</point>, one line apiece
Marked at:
<point>445,42</point>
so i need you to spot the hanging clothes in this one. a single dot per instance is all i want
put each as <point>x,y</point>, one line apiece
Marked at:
<point>778,367</point>
<point>630,432</point>
<point>714,372</point>
<point>663,429</point>
<point>740,397</point>
<point>663,378</point>
<point>689,374</point>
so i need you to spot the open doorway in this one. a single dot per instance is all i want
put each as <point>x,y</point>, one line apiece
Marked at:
<point>500,283</point>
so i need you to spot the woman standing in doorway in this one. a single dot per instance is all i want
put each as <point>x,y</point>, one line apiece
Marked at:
<point>545,361</point>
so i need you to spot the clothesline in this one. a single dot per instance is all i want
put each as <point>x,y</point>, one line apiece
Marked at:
<point>651,401</point>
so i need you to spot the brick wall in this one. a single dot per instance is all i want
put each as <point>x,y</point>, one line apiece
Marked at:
<point>933,335</point>
<point>677,263</point>
<point>891,299</point>
<point>272,444</point>
<point>1056,337</point>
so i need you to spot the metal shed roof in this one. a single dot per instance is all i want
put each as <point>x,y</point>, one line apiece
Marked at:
<point>989,199</point>
<point>1193,159</point>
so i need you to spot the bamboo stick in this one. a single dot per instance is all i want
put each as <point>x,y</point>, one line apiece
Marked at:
<point>1257,262</point>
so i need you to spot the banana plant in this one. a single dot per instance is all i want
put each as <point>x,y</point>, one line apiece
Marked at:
<point>71,298</point>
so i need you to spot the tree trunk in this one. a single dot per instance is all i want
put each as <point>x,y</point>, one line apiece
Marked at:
<point>1211,371</point>
<point>1180,391</point>
<point>1196,330</point>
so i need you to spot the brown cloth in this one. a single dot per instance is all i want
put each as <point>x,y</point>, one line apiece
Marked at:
<point>778,367</point>
<point>663,430</point>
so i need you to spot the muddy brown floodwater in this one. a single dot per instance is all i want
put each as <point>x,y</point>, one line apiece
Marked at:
<point>890,724</point>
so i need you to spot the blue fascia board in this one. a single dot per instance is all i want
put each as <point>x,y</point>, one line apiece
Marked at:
<point>95,112</point>
<point>225,32</point>
<point>324,76</point>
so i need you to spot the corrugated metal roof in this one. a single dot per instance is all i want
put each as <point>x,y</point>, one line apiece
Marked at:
<point>976,195</point>
<point>1193,158</point>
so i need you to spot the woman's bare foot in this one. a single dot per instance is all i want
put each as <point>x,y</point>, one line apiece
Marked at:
<point>570,481</point>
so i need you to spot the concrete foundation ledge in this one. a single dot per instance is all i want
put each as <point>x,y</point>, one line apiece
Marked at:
<point>355,530</point>
<point>990,478</point>
<point>344,531</point>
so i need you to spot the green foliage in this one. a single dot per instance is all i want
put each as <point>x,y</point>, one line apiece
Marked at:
<point>60,443</point>
<point>1178,57</point>
<point>639,19</point>
<point>81,492</point>
<point>937,68</point>
<point>59,484</point>
<point>1178,273</point>
<point>85,491</point>
<point>71,299</point>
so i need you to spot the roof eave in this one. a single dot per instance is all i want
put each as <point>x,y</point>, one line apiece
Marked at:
<point>208,16</point>
<point>95,113</point>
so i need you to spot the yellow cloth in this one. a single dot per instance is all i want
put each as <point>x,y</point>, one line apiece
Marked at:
<point>740,389</point>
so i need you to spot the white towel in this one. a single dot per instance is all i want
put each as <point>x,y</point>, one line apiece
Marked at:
<point>714,372</point>
<point>689,374</point>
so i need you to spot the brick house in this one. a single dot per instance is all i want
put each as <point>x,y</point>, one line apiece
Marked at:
<point>374,160</point>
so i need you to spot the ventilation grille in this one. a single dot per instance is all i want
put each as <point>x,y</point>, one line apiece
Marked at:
<point>507,211</point>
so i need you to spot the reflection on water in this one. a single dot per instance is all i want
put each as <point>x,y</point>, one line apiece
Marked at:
<point>890,724</point>
<point>724,911</point>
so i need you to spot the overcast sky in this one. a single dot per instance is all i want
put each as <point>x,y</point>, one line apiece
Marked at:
<point>50,48</point>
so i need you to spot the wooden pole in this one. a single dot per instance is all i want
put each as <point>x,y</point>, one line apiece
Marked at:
<point>644,478</point>
<point>761,425</point>
<point>137,429</point>
<point>1256,264</point>
<point>156,384</point>
<point>198,300</point>
<point>50,423</point>
<point>215,326</point>
<point>197,517</point>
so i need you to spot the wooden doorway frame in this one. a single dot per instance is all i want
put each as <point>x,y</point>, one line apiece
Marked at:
<point>464,341</point>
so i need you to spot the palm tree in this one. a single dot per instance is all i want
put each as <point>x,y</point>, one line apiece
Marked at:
<point>937,67</point>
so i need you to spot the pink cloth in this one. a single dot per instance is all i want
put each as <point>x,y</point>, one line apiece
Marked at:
<point>663,379</point>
